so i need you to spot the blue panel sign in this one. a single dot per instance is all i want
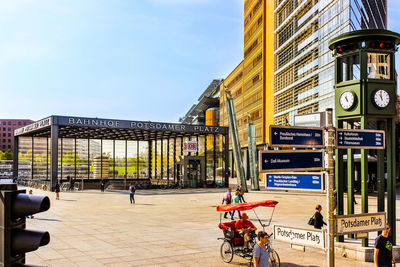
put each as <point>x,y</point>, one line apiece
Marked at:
<point>296,136</point>
<point>359,139</point>
<point>295,181</point>
<point>290,160</point>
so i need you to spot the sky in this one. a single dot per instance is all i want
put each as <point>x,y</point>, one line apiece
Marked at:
<point>119,59</point>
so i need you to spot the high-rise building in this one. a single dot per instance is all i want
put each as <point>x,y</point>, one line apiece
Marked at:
<point>7,127</point>
<point>251,82</point>
<point>304,65</point>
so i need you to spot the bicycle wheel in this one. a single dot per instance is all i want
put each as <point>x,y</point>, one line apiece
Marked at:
<point>274,260</point>
<point>226,252</point>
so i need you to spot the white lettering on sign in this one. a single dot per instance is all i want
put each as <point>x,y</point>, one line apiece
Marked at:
<point>34,126</point>
<point>360,223</point>
<point>304,237</point>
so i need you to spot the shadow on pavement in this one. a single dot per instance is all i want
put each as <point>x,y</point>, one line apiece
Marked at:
<point>43,219</point>
<point>296,265</point>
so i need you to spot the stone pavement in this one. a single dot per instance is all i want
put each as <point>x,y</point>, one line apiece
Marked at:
<point>164,228</point>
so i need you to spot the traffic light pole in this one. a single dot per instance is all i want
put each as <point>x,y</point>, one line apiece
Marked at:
<point>15,240</point>
<point>329,141</point>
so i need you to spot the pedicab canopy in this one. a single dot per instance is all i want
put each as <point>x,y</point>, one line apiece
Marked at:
<point>247,206</point>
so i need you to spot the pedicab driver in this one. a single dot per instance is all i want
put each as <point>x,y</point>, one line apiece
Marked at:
<point>244,227</point>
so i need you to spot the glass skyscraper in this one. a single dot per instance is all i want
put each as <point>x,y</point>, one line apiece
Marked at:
<point>304,65</point>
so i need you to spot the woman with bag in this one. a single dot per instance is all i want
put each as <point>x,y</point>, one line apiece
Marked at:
<point>318,218</point>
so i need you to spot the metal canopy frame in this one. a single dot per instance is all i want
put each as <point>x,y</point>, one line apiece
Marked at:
<point>59,127</point>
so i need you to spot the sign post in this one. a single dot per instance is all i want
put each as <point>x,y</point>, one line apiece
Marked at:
<point>307,137</point>
<point>300,160</point>
<point>360,139</point>
<point>360,223</point>
<point>298,236</point>
<point>295,180</point>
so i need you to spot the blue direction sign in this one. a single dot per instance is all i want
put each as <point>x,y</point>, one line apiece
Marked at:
<point>295,180</point>
<point>271,160</point>
<point>359,139</point>
<point>296,136</point>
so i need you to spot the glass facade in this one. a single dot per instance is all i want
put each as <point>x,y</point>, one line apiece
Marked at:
<point>304,65</point>
<point>113,159</point>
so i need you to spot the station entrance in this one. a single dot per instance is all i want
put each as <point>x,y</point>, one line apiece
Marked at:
<point>89,150</point>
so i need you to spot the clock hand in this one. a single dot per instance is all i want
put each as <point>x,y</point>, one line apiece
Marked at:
<point>381,96</point>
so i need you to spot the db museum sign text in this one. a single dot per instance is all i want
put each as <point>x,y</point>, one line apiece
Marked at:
<point>190,146</point>
<point>360,223</point>
<point>299,236</point>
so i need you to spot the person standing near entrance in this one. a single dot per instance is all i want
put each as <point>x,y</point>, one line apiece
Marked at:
<point>57,189</point>
<point>102,185</point>
<point>228,200</point>
<point>383,254</point>
<point>132,191</point>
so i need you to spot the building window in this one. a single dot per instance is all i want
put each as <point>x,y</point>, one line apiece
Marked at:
<point>19,123</point>
<point>9,146</point>
<point>9,141</point>
<point>9,128</point>
<point>9,134</point>
<point>4,140</point>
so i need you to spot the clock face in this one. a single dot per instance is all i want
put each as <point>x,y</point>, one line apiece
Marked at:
<point>347,100</point>
<point>381,98</point>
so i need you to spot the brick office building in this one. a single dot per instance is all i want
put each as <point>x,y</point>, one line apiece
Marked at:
<point>7,127</point>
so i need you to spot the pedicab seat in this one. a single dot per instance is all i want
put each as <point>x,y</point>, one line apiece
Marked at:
<point>229,232</point>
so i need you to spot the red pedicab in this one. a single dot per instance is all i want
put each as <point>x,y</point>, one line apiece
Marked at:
<point>233,243</point>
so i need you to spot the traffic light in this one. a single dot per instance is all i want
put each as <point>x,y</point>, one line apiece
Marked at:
<point>15,240</point>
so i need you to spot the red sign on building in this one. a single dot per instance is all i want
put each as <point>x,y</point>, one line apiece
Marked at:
<point>190,146</point>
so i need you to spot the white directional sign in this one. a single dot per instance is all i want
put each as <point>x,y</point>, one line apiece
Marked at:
<point>299,236</point>
<point>360,223</point>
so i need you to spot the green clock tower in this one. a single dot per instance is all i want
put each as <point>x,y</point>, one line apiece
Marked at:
<point>365,91</point>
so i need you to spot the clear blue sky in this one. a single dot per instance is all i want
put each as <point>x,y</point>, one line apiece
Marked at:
<point>125,59</point>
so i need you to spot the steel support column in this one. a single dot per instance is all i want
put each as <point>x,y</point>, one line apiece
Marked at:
<point>364,178</point>
<point>339,179</point>
<point>350,182</point>
<point>32,158</point>
<point>54,156</point>
<point>149,157</point>
<point>168,161</point>
<point>75,170</point>
<point>380,174</point>
<point>391,176</point>
<point>214,158</point>
<point>15,157</point>
<point>226,160</point>
<point>174,159</point>
<point>126,160</point>
<point>137,159</point>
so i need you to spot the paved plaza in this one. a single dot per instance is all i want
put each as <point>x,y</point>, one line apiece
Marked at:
<point>164,228</point>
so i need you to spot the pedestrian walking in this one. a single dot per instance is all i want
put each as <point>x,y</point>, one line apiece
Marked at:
<point>260,254</point>
<point>318,218</point>
<point>132,191</point>
<point>57,189</point>
<point>241,191</point>
<point>383,255</point>
<point>236,200</point>
<point>30,216</point>
<point>228,200</point>
<point>102,185</point>
<point>71,183</point>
